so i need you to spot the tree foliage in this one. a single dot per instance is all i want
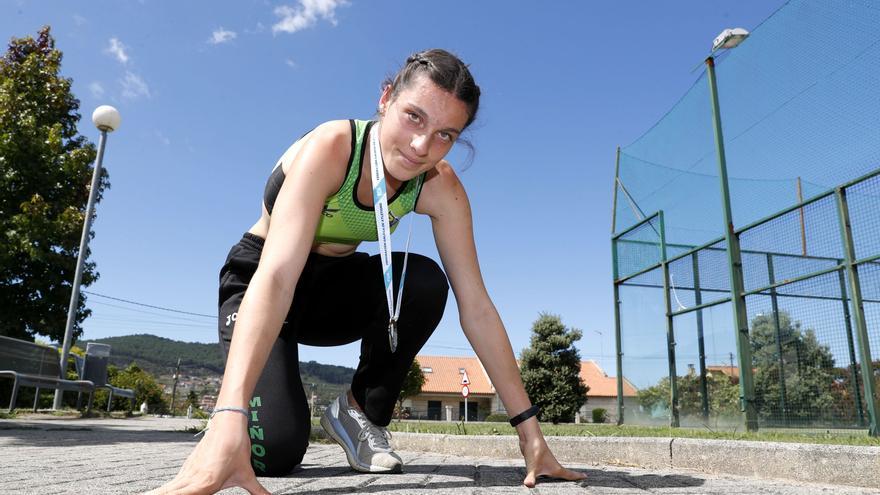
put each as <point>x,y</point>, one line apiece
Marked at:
<point>45,176</point>
<point>723,396</point>
<point>145,387</point>
<point>551,370</point>
<point>412,385</point>
<point>813,387</point>
<point>806,365</point>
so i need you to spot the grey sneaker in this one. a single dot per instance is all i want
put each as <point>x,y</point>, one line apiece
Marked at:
<point>365,444</point>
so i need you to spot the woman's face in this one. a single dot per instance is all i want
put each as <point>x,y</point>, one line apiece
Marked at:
<point>419,127</point>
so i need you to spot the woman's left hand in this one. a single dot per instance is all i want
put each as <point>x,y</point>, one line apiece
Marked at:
<point>540,462</point>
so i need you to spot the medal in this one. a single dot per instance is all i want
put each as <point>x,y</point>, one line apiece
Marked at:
<point>392,334</point>
<point>383,234</point>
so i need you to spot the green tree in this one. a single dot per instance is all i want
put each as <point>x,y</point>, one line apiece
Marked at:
<point>551,369</point>
<point>412,385</point>
<point>145,387</point>
<point>806,366</point>
<point>814,389</point>
<point>45,176</point>
<point>723,396</point>
<point>192,400</point>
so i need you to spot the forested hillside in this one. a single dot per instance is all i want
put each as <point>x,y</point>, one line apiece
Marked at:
<point>159,356</point>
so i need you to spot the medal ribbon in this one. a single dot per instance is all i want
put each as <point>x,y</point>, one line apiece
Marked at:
<point>383,230</point>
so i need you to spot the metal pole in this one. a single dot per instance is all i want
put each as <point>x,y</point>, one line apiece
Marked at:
<point>80,261</point>
<point>670,330</point>
<point>174,387</point>
<point>800,196</point>
<point>617,337</point>
<point>614,194</point>
<point>858,311</point>
<point>854,375</point>
<point>734,261</point>
<point>774,301</point>
<point>698,299</point>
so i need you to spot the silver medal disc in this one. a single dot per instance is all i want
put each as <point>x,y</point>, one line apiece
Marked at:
<point>392,335</point>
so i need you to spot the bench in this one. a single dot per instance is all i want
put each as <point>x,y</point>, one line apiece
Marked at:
<point>94,369</point>
<point>35,365</point>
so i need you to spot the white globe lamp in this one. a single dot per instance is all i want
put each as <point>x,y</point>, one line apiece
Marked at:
<point>106,118</point>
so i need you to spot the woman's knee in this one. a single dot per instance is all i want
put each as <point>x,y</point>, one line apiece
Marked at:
<point>279,454</point>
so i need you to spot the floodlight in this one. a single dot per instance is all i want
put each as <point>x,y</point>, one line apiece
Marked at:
<point>729,38</point>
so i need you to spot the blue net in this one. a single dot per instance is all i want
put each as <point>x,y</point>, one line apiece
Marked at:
<point>800,111</point>
<point>797,99</point>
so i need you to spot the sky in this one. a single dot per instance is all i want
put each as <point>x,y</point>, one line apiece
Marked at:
<point>212,93</point>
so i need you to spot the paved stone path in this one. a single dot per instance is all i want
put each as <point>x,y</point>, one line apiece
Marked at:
<point>131,456</point>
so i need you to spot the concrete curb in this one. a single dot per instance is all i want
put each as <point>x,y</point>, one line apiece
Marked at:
<point>831,464</point>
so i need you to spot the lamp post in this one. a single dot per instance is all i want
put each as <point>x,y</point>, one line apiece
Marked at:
<point>106,119</point>
<point>730,38</point>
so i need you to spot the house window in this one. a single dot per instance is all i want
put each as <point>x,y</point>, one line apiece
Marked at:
<point>427,370</point>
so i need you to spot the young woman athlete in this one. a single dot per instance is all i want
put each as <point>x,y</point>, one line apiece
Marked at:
<point>296,277</point>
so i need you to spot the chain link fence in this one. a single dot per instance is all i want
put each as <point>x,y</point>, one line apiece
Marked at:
<point>799,108</point>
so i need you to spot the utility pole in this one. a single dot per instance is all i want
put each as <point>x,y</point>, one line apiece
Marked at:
<point>174,387</point>
<point>312,398</point>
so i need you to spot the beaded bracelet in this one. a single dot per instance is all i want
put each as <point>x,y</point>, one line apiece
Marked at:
<point>528,413</point>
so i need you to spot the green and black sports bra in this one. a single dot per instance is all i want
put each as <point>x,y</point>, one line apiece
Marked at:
<point>344,219</point>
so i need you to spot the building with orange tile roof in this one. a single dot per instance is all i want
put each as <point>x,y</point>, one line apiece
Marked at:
<point>441,397</point>
<point>603,391</point>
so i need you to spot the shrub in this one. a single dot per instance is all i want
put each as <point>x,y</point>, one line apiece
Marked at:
<point>600,415</point>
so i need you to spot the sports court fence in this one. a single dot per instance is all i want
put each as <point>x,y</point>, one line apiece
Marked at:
<point>794,341</point>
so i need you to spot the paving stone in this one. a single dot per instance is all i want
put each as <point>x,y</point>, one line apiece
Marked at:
<point>132,456</point>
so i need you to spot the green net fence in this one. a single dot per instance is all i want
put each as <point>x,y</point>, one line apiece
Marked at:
<point>800,113</point>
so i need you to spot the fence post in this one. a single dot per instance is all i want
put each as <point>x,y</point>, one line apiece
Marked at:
<point>614,193</point>
<point>617,336</point>
<point>698,300</point>
<point>847,318</point>
<point>734,262</point>
<point>774,301</point>
<point>858,310</point>
<point>670,329</point>
<point>616,274</point>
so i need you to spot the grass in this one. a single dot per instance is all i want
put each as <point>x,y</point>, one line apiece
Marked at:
<point>815,436</point>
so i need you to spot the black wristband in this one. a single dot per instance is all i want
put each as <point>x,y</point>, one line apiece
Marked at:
<point>528,413</point>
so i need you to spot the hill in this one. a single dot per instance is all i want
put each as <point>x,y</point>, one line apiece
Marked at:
<point>159,355</point>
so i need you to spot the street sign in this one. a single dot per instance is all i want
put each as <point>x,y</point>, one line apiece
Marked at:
<point>464,378</point>
<point>465,391</point>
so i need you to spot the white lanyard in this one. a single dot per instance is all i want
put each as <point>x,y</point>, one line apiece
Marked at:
<point>383,230</point>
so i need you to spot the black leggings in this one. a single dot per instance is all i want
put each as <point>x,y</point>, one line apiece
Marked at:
<point>338,300</point>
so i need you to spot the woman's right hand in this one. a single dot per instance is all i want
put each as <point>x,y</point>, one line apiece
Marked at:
<point>221,460</point>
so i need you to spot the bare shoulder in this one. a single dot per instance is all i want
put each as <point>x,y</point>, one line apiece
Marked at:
<point>323,155</point>
<point>335,134</point>
<point>442,193</point>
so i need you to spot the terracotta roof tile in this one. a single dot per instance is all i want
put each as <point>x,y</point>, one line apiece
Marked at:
<point>731,371</point>
<point>602,385</point>
<point>445,377</point>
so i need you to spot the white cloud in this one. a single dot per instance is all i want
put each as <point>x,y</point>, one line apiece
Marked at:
<point>97,89</point>
<point>117,49</point>
<point>222,36</point>
<point>79,20</point>
<point>133,86</point>
<point>306,14</point>
<point>290,63</point>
